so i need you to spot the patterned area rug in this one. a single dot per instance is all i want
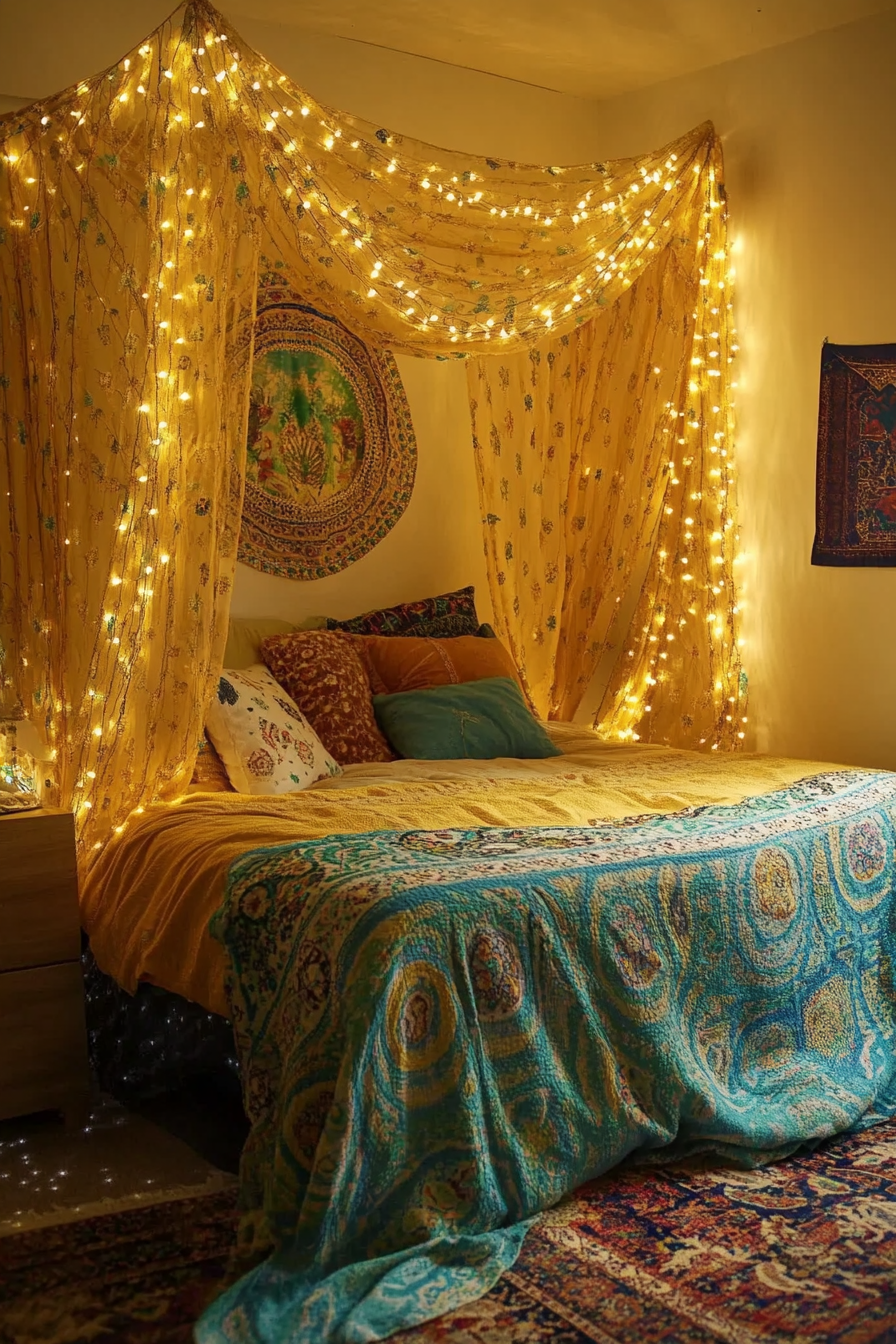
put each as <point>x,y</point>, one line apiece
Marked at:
<point>804,1251</point>
<point>138,1277</point>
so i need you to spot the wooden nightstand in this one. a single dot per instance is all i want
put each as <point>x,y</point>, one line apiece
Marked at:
<point>43,1039</point>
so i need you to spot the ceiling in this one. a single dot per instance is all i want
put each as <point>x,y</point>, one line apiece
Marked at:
<point>591,48</point>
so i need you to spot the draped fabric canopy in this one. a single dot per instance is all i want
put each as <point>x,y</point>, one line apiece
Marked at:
<point>133,210</point>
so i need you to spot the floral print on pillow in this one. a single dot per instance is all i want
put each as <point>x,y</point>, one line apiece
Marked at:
<point>326,677</point>
<point>266,743</point>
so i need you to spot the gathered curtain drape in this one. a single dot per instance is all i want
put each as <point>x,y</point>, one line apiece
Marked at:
<point>596,472</point>
<point>133,209</point>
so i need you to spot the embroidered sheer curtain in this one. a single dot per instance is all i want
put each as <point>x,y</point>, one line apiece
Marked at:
<point>133,208</point>
<point>590,483</point>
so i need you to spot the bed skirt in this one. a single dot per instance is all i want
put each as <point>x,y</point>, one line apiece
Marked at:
<point>151,1042</point>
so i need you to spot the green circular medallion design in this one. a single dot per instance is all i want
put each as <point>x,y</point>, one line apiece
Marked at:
<point>331,449</point>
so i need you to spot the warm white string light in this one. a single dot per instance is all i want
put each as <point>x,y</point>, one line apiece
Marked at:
<point>545,249</point>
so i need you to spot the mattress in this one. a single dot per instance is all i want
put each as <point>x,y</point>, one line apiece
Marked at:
<point>148,901</point>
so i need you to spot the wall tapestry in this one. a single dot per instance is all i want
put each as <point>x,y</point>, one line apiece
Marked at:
<point>855,508</point>
<point>331,449</point>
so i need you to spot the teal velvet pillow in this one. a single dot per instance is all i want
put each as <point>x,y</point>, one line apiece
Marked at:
<point>476,721</point>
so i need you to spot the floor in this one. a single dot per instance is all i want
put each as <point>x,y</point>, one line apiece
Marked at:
<point>177,1145</point>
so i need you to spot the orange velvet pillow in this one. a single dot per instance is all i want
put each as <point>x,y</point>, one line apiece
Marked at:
<point>397,663</point>
<point>326,676</point>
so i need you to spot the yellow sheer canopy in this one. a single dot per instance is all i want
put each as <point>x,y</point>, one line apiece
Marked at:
<point>133,209</point>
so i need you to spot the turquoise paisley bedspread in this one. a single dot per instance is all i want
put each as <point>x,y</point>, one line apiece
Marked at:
<point>442,1033</point>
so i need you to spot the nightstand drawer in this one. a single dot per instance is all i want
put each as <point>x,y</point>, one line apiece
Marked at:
<point>43,1052</point>
<point>39,922</point>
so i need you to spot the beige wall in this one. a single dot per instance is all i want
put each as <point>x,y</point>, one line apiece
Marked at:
<point>809,133</point>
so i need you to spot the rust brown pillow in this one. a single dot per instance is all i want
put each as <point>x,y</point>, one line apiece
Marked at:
<point>327,679</point>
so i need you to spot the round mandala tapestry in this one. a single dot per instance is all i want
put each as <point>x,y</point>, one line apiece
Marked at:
<point>331,448</point>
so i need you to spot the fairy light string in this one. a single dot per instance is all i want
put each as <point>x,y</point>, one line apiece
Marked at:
<point>133,208</point>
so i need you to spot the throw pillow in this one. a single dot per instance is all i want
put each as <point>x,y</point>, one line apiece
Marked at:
<point>410,664</point>
<point>209,772</point>
<point>479,720</point>
<point>264,740</point>
<point>442,617</point>
<point>325,675</point>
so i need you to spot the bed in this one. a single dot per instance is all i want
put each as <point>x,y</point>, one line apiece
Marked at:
<point>460,989</point>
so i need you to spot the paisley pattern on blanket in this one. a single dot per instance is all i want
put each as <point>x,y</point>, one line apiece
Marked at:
<point>442,1033</point>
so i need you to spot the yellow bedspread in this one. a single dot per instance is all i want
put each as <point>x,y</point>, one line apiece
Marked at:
<point>149,897</point>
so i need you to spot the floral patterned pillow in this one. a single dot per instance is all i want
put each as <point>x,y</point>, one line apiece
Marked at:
<point>326,677</point>
<point>264,740</point>
<point>441,617</point>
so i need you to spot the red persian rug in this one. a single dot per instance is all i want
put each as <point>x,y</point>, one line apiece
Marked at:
<point>142,1276</point>
<point>804,1251</point>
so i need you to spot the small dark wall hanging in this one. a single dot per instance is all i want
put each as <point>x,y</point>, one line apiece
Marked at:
<point>855,506</point>
<point>331,448</point>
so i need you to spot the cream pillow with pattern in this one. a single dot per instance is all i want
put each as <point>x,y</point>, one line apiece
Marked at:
<point>266,743</point>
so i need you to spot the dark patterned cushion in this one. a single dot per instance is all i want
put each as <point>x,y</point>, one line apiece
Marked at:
<point>326,677</point>
<point>440,617</point>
